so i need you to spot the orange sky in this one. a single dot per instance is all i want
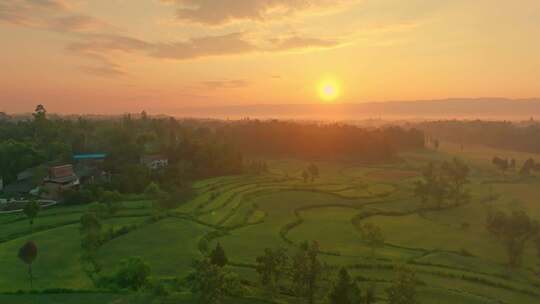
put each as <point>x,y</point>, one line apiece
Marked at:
<point>114,56</point>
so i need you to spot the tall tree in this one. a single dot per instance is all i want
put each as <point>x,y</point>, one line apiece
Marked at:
<point>345,290</point>
<point>90,241</point>
<point>313,171</point>
<point>373,236</point>
<point>272,266</point>
<point>403,289</point>
<point>218,256</point>
<point>27,254</point>
<point>31,210</point>
<point>307,271</point>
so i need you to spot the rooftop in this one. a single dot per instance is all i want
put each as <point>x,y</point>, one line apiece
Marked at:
<point>97,156</point>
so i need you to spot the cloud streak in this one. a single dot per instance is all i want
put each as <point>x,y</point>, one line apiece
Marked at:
<point>100,47</point>
<point>212,12</point>
<point>55,15</point>
<point>226,84</point>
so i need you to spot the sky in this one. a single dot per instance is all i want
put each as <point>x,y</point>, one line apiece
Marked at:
<point>117,56</point>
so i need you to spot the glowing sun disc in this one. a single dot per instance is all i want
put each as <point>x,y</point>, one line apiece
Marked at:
<point>328,90</point>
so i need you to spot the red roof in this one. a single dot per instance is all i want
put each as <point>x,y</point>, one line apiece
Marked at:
<point>61,171</point>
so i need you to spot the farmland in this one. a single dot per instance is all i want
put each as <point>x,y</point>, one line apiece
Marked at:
<point>455,258</point>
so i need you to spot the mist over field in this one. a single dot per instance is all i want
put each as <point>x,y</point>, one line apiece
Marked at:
<point>481,108</point>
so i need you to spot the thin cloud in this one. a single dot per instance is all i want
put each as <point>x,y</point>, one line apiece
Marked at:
<point>52,15</point>
<point>299,42</point>
<point>226,84</point>
<point>112,70</point>
<point>229,44</point>
<point>76,23</point>
<point>100,47</point>
<point>212,12</point>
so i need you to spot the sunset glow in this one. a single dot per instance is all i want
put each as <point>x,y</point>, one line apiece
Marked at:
<point>163,56</point>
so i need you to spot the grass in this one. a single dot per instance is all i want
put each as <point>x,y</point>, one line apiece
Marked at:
<point>454,257</point>
<point>168,246</point>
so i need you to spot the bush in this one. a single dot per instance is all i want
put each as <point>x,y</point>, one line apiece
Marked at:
<point>78,197</point>
<point>132,274</point>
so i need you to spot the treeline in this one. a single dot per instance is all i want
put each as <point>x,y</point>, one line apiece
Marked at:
<point>311,140</point>
<point>194,148</point>
<point>496,134</point>
<point>192,151</point>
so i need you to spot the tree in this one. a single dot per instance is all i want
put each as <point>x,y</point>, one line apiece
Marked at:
<point>501,164</point>
<point>152,190</point>
<point>513,231</point>
<point>112,200</point>
<point>40,113</point>
<point>218,256</point>
<point>403,289</point>
<point>27,254</point>
<point>271,266</point>
<point>305,175</point>
<point>373,236</point>
<point>345,290</point>
<point>457,176</point>
<point>99,209</point>
<point>513,163</point>
<point>313,171</point>
<point>133,273</point>
<point>307,271</point>
<point>370,295</point>
<point>90,241</point>
<point>433,188</point>
<point>31,210</point>
<point>442,182</point>
<point>527,167</point>
<point>213,283</point>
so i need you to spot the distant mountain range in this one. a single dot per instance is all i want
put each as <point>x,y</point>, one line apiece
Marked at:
<point>482,108</point>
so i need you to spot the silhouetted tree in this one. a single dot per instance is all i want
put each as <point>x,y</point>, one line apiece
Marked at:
<point>307,271</point>
<point>345,290</point>
<point>373,236</point>
<point>501,164</point>
<point>272,266</point>
<point>313,171</point>
<point>27,254</point>
<point>305,175</point>
<point>40,113</point>
<point>218,256</point>
<point>527,167</point>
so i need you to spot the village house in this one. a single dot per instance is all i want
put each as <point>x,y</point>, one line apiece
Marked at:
<point>89,168</point>
<point>155,162</point>
<point>60,178</point>
<point>24,185</point>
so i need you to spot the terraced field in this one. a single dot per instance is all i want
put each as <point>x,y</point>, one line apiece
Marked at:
<point>454,257</point>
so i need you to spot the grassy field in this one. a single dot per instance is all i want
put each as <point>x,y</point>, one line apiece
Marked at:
<point>456,260</point>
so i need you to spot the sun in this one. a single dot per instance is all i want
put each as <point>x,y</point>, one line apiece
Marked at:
<point>328,90</point>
